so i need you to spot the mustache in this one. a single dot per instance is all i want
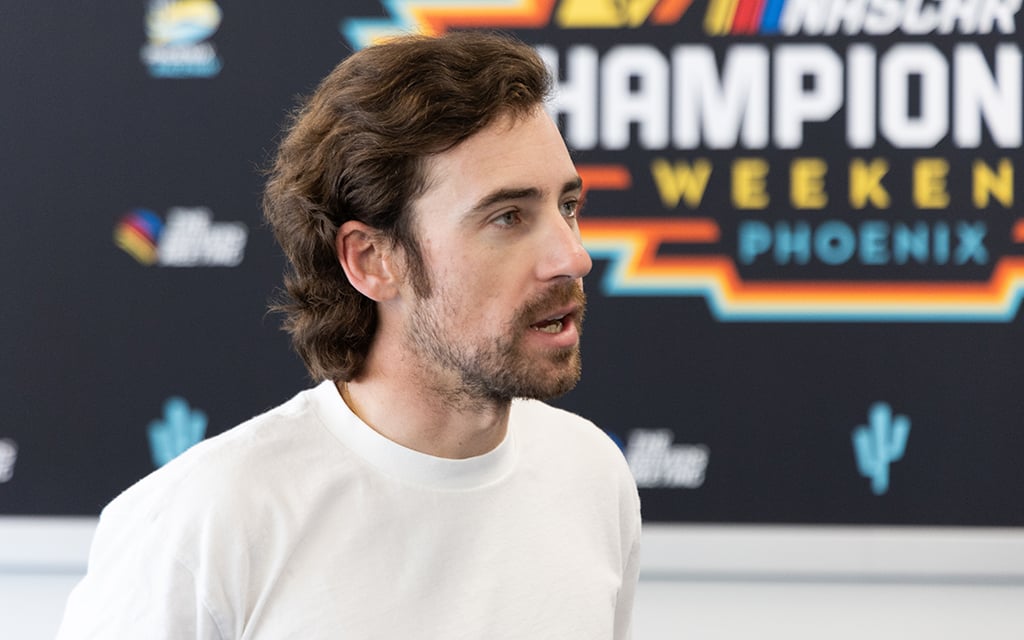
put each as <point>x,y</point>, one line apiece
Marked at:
<point>556,297</point>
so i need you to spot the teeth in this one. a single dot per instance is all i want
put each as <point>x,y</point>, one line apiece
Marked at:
<point>553,327</point>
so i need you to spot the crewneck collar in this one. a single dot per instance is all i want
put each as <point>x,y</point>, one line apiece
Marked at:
<point>403,463</point>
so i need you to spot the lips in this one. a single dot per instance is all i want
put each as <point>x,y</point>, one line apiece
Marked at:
<point>556,311</point>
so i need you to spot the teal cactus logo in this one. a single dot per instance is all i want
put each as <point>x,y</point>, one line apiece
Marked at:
<point>880,443</point>
<point>180,428</point>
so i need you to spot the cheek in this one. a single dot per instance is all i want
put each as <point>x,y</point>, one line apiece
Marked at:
<point>480,286</point>
<point>480,297</point>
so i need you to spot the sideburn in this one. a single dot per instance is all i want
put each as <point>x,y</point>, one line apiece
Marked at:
<point>415,268</point>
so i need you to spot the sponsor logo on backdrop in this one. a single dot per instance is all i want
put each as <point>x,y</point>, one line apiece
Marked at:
<point>879,443</point>
<point>179,33</point>
<point>189,238</point>
<point>8,458</point>
<point>180,428</point>
<point>786,160</point>
<point>658,463</point>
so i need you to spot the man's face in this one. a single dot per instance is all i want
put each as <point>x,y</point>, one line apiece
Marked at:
<point>501,249</point>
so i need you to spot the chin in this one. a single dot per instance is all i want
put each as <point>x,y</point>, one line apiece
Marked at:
<point>551,388</point>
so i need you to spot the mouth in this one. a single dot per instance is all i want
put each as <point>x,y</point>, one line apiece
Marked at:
<point>556,316</point>
<point>554,323</point>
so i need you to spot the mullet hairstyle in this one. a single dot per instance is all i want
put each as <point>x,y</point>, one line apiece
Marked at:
<point>357,150</point>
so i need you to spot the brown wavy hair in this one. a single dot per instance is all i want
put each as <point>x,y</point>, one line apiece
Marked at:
<point>356,150</point>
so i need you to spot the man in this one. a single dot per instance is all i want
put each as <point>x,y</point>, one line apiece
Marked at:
<point>429,209</point>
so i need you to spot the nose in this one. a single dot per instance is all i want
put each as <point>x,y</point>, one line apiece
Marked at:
<point>564,255</point>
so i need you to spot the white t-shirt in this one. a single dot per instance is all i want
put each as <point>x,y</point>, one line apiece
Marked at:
<point>306,523</point>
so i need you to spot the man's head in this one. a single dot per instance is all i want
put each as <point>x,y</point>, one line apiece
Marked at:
<point>358,150</point>
<point>499,236</point>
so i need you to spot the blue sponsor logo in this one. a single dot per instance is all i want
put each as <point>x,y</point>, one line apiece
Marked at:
<point>180,428</point>
<point>178,32</point>
<point>879,443</point>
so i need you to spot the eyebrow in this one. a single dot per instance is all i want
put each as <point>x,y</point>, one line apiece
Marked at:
<point>503,195</point>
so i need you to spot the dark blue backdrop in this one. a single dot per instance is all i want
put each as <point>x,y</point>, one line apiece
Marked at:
<point>725,417</point>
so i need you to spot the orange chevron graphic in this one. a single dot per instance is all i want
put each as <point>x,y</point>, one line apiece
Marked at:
<point>669,11</point>
<point>437,19</point>
<point>605,176</point>
<point>431,17</point>
<point>647,234</point>
<point>1017,233</point>
<point>631,246</point>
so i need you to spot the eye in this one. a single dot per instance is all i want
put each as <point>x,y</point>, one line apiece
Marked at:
<point>507,219</point>
<point>571,208</point>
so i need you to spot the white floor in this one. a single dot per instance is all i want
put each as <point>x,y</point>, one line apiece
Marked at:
<point>698,583</point>
<point>31,604</point>
<point>733,611</point>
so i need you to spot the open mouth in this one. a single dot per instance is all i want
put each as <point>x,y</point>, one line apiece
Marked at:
<point>551,325</point>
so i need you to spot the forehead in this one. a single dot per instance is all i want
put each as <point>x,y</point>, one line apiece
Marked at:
<point>525,152</point>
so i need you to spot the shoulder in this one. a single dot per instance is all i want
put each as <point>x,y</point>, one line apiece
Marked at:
<point>219,476</point>
<point>536,419</point>
<point>580,463</point>
<point>197,530</point>
<point>568,441</point>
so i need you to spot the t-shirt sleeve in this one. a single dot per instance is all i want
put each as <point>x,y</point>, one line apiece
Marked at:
<point>135,587</point>
<point>631,524</point>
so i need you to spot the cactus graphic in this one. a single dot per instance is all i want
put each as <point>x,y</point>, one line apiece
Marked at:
<point>181,428</point>
<point>879,443</point>
<point>8,456</point>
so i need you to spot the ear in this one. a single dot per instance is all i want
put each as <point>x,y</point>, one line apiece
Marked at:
<point>366,257</point>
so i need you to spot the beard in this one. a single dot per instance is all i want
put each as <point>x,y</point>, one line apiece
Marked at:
<point>497,368</point>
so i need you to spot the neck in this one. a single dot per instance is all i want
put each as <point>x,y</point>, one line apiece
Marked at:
<point>398,405</point>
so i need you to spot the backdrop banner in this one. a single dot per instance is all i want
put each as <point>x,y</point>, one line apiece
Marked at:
<point>804,307</point>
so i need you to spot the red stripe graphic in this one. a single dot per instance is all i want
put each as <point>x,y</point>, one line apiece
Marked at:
<point>748,17</point>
